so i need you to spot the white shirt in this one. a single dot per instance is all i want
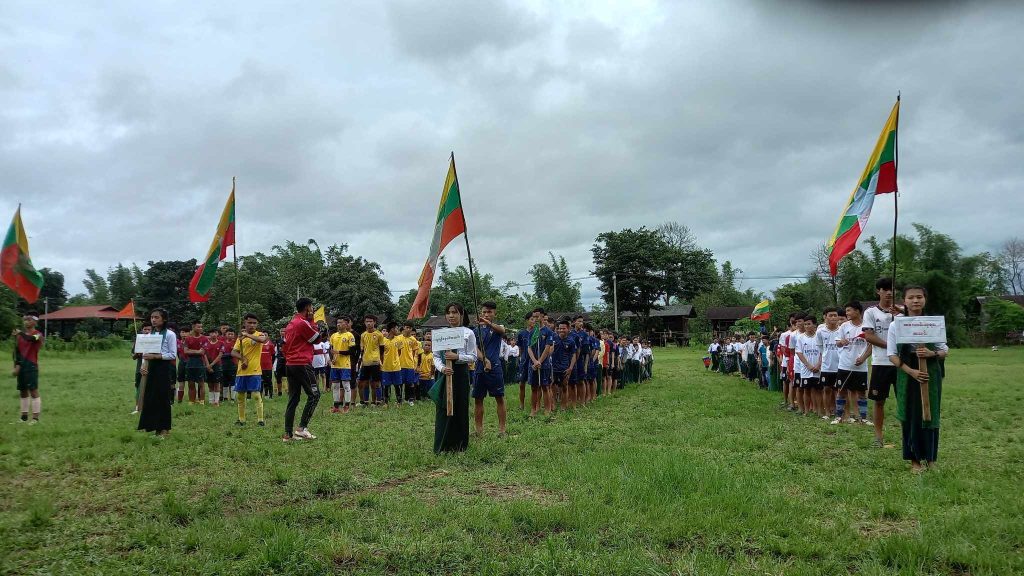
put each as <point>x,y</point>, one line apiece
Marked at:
<point>320,354</point>
<point>467,352</point>
<point>513,351</point>
<point>750,349</point>
<point>807,346</point>
<point>879,321</point>
<point>826,341</point>
<point>891,348</point>
<point>854,334</point>
<point>504,351</point>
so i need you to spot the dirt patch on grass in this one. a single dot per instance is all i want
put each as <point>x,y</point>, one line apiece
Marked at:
<point>886,527</point>
<point>519,492</point>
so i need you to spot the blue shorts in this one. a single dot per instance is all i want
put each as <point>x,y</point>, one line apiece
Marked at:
<point>425,385</point>
<point>410,376</point>
<point>252,383</point>
<point>391,378</point>
<point>531,375</point>
<point>579,373</point>
<point>341,374</point>
<point>489,383</point>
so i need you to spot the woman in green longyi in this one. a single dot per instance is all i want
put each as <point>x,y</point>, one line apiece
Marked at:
<point>451,433</point>
<point>921,368</point>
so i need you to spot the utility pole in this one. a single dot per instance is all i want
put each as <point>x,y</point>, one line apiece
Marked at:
<point>615,299</point>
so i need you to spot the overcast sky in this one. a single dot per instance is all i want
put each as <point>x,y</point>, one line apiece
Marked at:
<point>750,122</point>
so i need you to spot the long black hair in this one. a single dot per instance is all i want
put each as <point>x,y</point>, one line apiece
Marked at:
<point>162,312</point>
<point>462,312</point>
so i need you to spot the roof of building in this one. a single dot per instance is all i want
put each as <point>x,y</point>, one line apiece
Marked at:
<point>82,313</point>
<point>442,322</point>
<point>684,310</point>
<point>729,312</point>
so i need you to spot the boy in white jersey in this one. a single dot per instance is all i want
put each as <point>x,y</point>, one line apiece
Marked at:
<point>883,374</point>
<point>793,367</point>
<point>810,361</point>
<point>854,351</point>
<point>826,337</point>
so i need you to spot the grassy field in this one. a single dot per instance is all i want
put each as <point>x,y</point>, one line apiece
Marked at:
<point>693,473</point>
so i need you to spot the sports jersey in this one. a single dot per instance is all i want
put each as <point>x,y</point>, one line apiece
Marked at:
<point>391,362</point>
<point>196,343</point>
<point>29,344</point>
<point>489,342</point>
<point>251,352</point>
<point>523,342</point>
<point>561,357</point>
<point>878,320</point>
<point>321,352</point>
<point>342,342</point>
<point>214,350</point>
<point>299,336</point>
<point>267,355</point>
<point>826,341</point>
<point>425,368</point>
<point>409,352</point>
<point>225,357</point>
<point>854,334</point>
<point>809,348</point>
<point>370,343</point>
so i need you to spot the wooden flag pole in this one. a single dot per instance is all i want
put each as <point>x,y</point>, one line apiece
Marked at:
<point>926,401</point>
<point>449,401</point>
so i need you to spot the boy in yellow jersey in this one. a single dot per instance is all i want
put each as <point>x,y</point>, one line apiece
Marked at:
<point>425,368</point>
<point>249,379</point>
<point>342,342</point>
<point>391,366</point>
<point>407,357</point>
<point>370,344</point>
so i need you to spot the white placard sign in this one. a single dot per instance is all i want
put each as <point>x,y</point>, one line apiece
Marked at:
<point>919,329</point>
<point>446,339</point>
<point>148,343</point>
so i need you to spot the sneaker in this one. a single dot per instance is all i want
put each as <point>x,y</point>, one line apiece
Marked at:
<point>239,423</point>
<point>411,403</point>
<point>134,412</point>
<point>876,443</point>
<point>837,421</point>
<point>261,423</point>
<point>305,434</point>
<point>824,417</point>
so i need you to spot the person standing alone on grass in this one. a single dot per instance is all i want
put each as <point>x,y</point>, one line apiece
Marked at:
<point>490,369</point>
<point>158,373</point>
<point>27,343</point>
<point>921,370</point>
<point>300,335</point>
<point>883,374</point>
<point>249,380</point>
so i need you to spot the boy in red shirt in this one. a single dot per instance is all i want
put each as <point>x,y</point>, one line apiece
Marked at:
<point>214,374</point>
<point>267,367</point>
<point>28,341</point>
<point>299,336</point>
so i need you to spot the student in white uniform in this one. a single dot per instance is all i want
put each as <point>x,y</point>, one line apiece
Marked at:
<point>883,374</point>
<point>854,352</point>
<point>826,337</point>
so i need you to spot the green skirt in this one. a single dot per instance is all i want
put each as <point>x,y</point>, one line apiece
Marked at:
<point>773,378</point>
<point>451,433</point>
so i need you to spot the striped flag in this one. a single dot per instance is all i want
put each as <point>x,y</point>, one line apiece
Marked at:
<point>879,177</point>
<point>762,311</point>
<point>16,269</point>
<point>449,225</point>
<point>223,238</point>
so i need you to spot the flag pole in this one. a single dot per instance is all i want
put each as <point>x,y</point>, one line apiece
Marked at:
<point>465,235</point>
<point>896,192</point>
<point>234,257</point>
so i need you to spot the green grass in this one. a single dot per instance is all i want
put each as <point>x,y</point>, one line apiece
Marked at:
<point>694,473</point>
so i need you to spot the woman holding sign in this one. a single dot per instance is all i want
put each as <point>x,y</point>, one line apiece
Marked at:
<point>158,378</point>
<point>451,432</point>
<point>918,387</point>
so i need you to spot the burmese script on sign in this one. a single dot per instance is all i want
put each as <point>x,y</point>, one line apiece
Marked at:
<point>919,329</point>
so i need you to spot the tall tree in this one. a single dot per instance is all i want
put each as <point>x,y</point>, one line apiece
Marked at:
<point>640,260</point>
<point>165,284</point>
<point>1011,255</point>
<point>554,287</point>
<point>351,285</point>
<point>96,286</point>
<point>122,286</point>
<point>693,270</point>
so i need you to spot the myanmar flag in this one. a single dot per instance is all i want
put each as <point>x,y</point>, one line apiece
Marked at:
<point>202,281</point>
<point>449,225</point>
<point>762,311</point>
<point>16,268</point>
<point>879,177</point>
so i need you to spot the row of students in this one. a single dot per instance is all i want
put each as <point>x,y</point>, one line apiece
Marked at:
<point>853,357</point>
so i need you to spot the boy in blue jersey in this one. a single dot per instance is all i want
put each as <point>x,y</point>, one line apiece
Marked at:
<point>539,366</point>
<point>563,360</point>
<point>593,367</point>
<point>578,378</point>
<point>523,369</point>
<point>490,368</point>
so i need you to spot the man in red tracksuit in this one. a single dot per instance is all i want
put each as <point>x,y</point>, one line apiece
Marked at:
<point>299,337</point>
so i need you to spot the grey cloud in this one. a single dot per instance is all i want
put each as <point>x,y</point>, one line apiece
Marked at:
<point>445,31</point>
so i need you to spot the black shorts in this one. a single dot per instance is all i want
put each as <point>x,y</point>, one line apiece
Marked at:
<point>810,383</point>
<point>829,380</point>
<point>852,381</point>
<point>369,373</point>
<point>181,370</point>
<point>195,374</point>
<point>558,377</point>
<point>882,379</point>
